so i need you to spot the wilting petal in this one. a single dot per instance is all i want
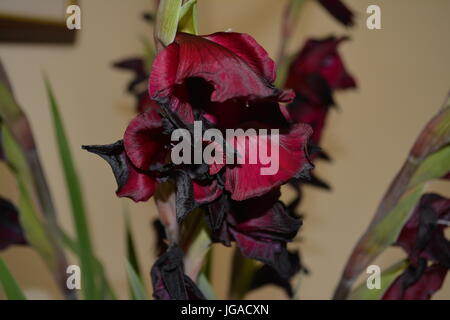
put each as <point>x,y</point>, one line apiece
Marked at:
<point>143,140</point>
<point>339,10</point>
<point>422,235</point>
<point>266,275</point>
<point>247,180</point>
<point>261,227</point>
<point>274,254</point>
<point>131,182</point>
<point>416,284</point>
<point>10,229</point>
<point>169,280</point>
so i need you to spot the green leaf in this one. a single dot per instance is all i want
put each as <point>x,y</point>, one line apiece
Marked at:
<point>435,166</point>
<point>188,18</point>
<point>76,200</point>
<point>136,284</point>
<point>104,287</point>
<point>206,287</point>
<point>131,254</point>
<point>149,52</point>
<point>29,218</point>
<point>9,284</point>
<point>167,21</point>
<point>387,278</point>
<point>427,160</point>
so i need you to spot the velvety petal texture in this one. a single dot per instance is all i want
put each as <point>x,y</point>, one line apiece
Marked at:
<point>423,235</point>
<point>261,227</point>
<point>168,278</point>
<point>417,283</point>
<point>10,229</point>
<point>131,182</point>
<point>212,73</point>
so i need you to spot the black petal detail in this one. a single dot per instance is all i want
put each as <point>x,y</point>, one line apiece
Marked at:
<point>216,212</point>
<point>115,156</point>
<point>169,280</point>
<point>185,202</point>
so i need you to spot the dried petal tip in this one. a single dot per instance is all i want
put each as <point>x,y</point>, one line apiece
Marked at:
<point>168,278</point>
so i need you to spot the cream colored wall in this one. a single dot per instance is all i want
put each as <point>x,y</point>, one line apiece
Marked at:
<point>403,75</point>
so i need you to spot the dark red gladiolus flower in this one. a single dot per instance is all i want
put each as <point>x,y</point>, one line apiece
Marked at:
<point>318,70</point>
<point>10,229</point>
<point>417,283</point>
<point>261,227</point>
<point>423,239</point>
<point>339,10</point>
<point>423,234</point>
<point>168,278</point>
<point>228,76</point>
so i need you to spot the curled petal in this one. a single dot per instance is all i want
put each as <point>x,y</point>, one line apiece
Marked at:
<point>131,182</point>
<point>288,158</point>
<point>169,280</point>
<point>410,286</point>
<point>422,236</point>
<point>143,140</point>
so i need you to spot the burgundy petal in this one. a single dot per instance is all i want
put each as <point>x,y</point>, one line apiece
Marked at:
<point>143,140</point>
<point>206,191</point>
<point>318,70</point>
<point>197,71</point>
<point>410,286</point>
<point>261,227</point>
<point>131,182</point>
<point>245,180</point>
<point>422,235</point>
<point>339,10</point>
<point>169,280</point>
<point>10,229</point>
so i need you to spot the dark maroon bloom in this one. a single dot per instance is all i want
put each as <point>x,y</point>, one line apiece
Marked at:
<point>339,10</point>
<point>168,278</point>
<point>227,76</point>
<point>423,234</point>
<point>10,229</point>
<point>417,283</point>
<point>319,70</point>
<point>428,250</point>
<point>261,227</point>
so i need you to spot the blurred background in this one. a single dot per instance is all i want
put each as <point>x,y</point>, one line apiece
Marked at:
<point>403,75</point>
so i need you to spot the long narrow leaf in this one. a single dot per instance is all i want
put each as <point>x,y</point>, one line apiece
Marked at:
<point>9,284</point>
<point>76,200</point>
<point>136,284</point>
<point>427,160</point>
<point>132,254</point>
<point>387,278</point>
